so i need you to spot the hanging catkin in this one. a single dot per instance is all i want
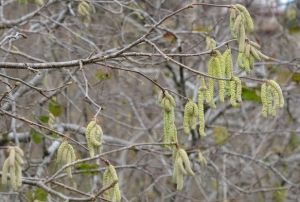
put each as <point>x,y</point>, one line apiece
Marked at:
<point>250,54</point>
<point>242,38</point>
<point>238,88</point>
<point>109,177</point>
<point>240,24</point>
<point>277,88</point>
<point>182,166</point>
<point>201,93</point>
<point>232,19</point>
<point>228,68</point>
<point>221,72</point>
<point>94,136</point>
<point>235,91</point>
<point>271,98</point>
<point>170,131</point>
<point>214,70</point>
<point>239,16</point>
<point>264,99</point>
<point>66,155</point>
<point>249,25</point>
<point>236,26</point>
<point>13,166</point>
<point>228,63</point>
<point>190,116</point>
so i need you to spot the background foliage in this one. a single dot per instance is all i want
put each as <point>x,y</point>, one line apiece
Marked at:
<point>124,48</point>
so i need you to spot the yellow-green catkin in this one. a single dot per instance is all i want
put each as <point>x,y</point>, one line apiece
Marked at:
<point>235,91</point>
<point>228,63</point>
<point>233,95</point>
<point>13,166</point>
<point>94,136</point>
<point>5,171</point>
<point>232,18</point>
<point>273,105</point>
<point>66,155</point>
<point>239,16</point>
<point>201,93</point>
<point>249,25</point>
<point>240,61</point>
<point>170,131</point>
<point>236,26</point>
<point>254,44</point>
<point>249,55</point>
<point>18,170</point>
<point>61,152</point>
<point>247,49</point>
<point>167,102</point>
<point>238,88</point>
<point>242,38</point>
<point>228,68</point>
<point>221,74</point>
<point>214,69</point>
<point>241,23</point>
<point>190,116</point>
<point>271,97</point>
<point>254,53</point>
<point>182,166</point>
<point>84,9</point>
<point>244,62</point>
<point>109,177</point>
<point>187,165</point>
<point>277,88</point>
<point>264,99</point>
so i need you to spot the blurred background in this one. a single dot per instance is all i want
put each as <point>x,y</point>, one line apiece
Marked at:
<point>249,157</point>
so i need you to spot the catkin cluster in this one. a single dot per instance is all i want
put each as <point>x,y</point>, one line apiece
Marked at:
<point>190,116</point>
<point>235,91</point>
<point>220,66</point>
<point>66,155</point>
<point>271,98</point>
<point>182,167</point>
<point>249,54</point>
<point>13,166</point>
<point>93,135</point>
<point>110,176</point>
<point>240,23</point>
<point>170,131</point>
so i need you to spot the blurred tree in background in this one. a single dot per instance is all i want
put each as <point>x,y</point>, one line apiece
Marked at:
<point>65,64</point>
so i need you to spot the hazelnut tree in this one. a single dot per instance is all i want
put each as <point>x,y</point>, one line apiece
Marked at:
<point>146,101</point>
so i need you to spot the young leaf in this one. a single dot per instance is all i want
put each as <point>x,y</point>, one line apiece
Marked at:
<point>55,108</point>
<point>40,195</point>
<point>44,119</point>
<point>250,95</point>
<point>36,136</point>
